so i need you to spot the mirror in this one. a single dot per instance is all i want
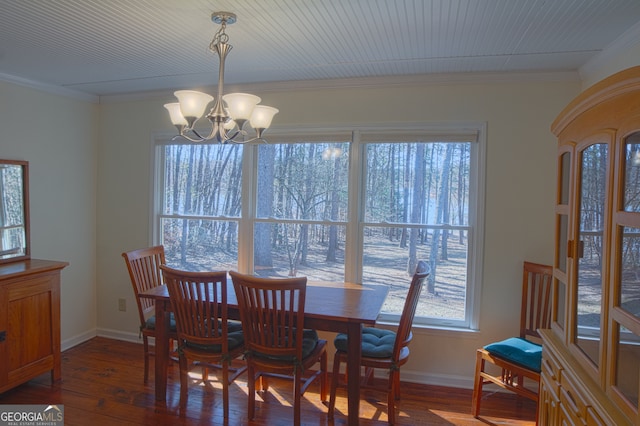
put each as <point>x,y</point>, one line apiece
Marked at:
<point>14,211</point>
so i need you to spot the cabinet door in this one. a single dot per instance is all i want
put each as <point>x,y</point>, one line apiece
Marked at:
<point>561,262</point>
<point>625,280</point>
<point>592,220</point>
<point>31,334</point>
<point>548,401</point>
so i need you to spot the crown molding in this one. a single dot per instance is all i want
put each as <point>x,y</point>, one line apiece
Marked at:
<point>368,82</point>
<point>283,86</point>
<point>49,88</point>
<point>618,47</point>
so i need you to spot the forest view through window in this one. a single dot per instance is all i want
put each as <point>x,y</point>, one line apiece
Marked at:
<point>332,210</point>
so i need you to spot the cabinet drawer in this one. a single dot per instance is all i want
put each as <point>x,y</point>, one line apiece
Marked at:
<point>552,385</point>
<point>551,365</point>
<point>566,417</point>
<point>593,419</point>
<point>571,397</point>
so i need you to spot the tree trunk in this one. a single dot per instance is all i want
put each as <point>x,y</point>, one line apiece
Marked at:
<point>445,193</point>
<point>416,207</point>
<point>262,233</point>
<point>335,205</point>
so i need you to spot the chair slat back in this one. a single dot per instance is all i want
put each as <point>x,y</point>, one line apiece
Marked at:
<point>404,335</point>
<point>536,299</point>
<point>272,313</point>
<point>199,303</point>
<point>144,270</point>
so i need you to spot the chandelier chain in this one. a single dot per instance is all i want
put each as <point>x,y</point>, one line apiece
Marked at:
<point>220,37</point>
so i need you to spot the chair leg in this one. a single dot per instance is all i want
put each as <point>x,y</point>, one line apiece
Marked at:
<point>251,383</point>
<point>394,378</point>
<point>225,389</point>
<point>264,383</point>
<point>477,385</point>
<point>297,397</point>
<point>184,380</point>
<point>323,377</point>
<point>335,377</point>
<point>145,343</point>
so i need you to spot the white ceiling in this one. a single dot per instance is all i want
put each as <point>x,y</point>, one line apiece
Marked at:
<point>107,47</point>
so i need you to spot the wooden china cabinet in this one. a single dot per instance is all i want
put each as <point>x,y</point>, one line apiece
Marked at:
<point>591,355</point>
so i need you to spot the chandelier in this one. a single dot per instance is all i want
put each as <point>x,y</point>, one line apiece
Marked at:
<point>230,112</point>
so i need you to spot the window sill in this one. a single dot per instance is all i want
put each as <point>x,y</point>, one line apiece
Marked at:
<point>434,330</point>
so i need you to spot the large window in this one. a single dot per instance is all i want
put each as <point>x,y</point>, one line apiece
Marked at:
<point>360,206</point>
<point>416,206</point>
<point>198,204</point>
<point>301,210</point>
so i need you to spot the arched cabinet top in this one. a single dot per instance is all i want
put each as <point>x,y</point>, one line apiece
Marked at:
<point>626,82</point>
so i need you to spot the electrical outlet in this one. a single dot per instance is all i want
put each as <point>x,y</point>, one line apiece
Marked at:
<point>122,305</point>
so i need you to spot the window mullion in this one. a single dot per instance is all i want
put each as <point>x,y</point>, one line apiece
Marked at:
<point>353,252</point>
<point>248,211</point>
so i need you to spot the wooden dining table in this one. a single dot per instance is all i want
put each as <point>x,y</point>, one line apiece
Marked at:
<point>335,307</point>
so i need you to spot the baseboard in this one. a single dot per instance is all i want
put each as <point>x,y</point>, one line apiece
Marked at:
<point>102,332</point>
<point>413,376</point>
<point>448,380</point>
<point>77,339</point>
<point>120,335</point>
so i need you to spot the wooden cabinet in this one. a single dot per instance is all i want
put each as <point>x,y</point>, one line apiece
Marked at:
<point>591,368</point>
<point>29,321</point>
<point>568,394</point>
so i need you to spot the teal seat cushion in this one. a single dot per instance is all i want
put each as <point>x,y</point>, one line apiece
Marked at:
<point>519,351</point>
<point>151,322</point>
<point>376,342</point>
<point>234,337</point>
<point>309,343</point>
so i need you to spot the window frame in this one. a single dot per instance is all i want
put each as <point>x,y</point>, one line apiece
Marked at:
<point>474,132</point>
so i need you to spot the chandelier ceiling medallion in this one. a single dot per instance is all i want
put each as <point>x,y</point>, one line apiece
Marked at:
<point>230,112</point>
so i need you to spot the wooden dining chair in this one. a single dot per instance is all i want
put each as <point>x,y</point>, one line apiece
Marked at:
<point>518,358</point>
<point>144,270</point>
<point>383,349</point>
<point>272,313</point>
<point>205,334</point>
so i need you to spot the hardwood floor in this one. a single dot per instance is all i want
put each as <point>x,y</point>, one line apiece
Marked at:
<point>103,385</point>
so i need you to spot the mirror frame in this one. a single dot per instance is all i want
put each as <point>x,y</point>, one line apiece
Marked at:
<point>26,255</point>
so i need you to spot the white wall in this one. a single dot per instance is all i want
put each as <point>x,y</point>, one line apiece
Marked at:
<point>57,135</point>
<point>519,195</point>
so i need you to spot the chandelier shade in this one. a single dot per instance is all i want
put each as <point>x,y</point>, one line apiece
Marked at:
<point>192,104</point>
<point>230,112</point>
<point>240,105</point>
<point>175,114</point>
<point>261,116</point>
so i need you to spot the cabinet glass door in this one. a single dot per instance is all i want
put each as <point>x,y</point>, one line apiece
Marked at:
<point>630,250</point>
<point>590,244</point>
<point>562,233</point>
<point>626,289</point>
<point>627,364</point>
